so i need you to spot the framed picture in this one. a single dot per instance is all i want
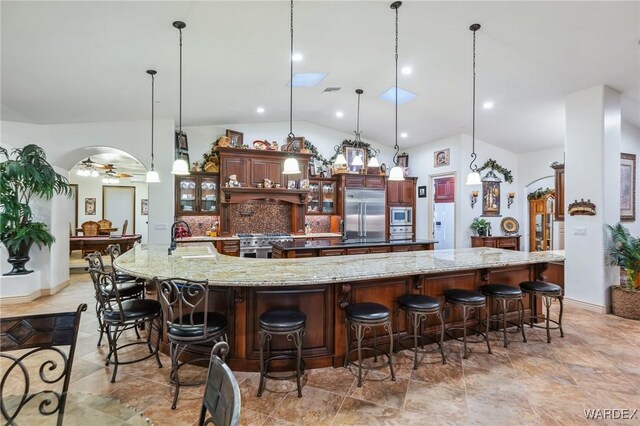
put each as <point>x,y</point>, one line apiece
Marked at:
<point>181,141</point>
<point>74,211</point>
<point>441,158</point>
<point>627,187</point>
<point>235,138</point>
<point>351,152</point>
<point>422,192</point>
<point>144,207</point>
<point>403,160</point>
<point>90,206</point>
<point>312,168</point>
<point>184,155</point>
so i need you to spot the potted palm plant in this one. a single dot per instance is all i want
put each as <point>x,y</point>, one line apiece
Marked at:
<point>480,226</point>
<point>624,252</point>
<point>25,174</point>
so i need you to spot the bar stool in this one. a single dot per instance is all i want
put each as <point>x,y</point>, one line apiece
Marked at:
<point>549,292</point>
<point>418,307</point>
<point>362,317</point>
<point>287,322</point>
<point>468,301</point>
<point>505,294</point>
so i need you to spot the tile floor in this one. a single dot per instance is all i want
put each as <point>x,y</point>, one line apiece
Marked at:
<point>594,367</point>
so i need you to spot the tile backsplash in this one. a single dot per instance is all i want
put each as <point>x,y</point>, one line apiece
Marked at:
<point>260,218</point>
<point>200,225</point>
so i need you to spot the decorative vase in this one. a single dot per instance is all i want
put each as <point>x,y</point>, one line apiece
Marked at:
<point>19,258</point>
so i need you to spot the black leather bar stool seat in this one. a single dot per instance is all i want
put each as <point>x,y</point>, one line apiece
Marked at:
<point>216,323</point>
<point>287,322</point>
<point>548,292</point>
<point>360,317</point>
<point>418,307</point>
<point>505,294</point>
<point>468,301</point>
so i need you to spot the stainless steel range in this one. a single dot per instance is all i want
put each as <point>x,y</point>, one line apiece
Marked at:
<point>259,245</point>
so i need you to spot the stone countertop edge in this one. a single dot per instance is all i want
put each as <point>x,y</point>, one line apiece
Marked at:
<point>319,245</point>
<point>231,271</point>
<point>205,238</point>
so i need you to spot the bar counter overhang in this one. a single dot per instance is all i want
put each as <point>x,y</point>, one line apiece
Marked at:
<point>243,288</point>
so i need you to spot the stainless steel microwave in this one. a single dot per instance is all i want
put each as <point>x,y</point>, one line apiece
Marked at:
<point>401,216</point>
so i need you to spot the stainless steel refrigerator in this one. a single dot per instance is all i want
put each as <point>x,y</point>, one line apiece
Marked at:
<point>364,214</point>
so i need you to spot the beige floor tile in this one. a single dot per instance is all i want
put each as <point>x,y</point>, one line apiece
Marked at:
<point>315,407</point>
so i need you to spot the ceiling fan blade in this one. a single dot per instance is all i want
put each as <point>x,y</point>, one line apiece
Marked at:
<point>123,175</point>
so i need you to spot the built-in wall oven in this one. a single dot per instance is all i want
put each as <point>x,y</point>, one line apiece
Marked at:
<point>400,233</point>
<point>259,245</point>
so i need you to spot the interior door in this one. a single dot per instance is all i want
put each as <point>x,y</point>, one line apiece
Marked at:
<point>444,212</point>
<point>118,205</point>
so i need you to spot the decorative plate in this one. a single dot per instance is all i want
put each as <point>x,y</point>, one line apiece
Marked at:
<point>509,225</point>
<point>262,145</point>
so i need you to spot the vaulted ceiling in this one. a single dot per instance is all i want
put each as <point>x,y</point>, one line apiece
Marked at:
<point>65,62</point>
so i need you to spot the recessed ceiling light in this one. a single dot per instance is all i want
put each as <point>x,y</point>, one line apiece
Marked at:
<point>404,135</point>
<point>404,96</point>
<point>487,105</point>
<point>297,57</point>
<point>339,114</point>
<point>308,79</point>
<point>259,110</point>
<point>406,70</point>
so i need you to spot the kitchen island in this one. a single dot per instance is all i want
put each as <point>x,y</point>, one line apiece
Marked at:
<point>338,247</point>
<point>242,288</point>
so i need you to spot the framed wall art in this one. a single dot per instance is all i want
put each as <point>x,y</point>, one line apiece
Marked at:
<point>350,153</point>
<point>441,158</point>
<point>422,192</point>
<point>90,206</point>
<point>627,187</point>
<point>144,207</point>
<point>236,138</point>
<point>491,194</point>
<point>182,147</point>
<point>403,160</point>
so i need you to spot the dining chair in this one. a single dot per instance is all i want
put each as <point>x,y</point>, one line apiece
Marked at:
<point>40,361</point>
<point>221,403</point>
<point>124,226</point>
<point>90,228</point>
<point>104,226</point>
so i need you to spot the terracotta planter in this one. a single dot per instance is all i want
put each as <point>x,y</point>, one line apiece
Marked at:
<point>625,302</point>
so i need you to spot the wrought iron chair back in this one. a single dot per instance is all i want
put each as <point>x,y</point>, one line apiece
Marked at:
<point>95,261</point>
<point>43,334</point>
<point>107,293</point>
<point>221,402</point>
<point>114,252</point>
<point>186,303</point>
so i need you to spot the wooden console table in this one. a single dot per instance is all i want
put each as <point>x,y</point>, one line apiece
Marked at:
<point>508,242</point>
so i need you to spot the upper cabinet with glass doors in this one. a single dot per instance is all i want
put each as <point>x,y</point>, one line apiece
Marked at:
<point>197,194</point>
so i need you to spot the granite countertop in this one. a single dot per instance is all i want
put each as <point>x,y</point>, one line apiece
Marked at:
<point>319,244</point>
<point>201,261</point>
<point>204,238</point>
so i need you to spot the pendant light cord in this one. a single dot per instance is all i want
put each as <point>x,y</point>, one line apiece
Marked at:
<point>290,136</point>
<point>472,166</point>
<point>359,92</point>
<point>180,122</point>
<point>152,113</point>
<point>395,156</point>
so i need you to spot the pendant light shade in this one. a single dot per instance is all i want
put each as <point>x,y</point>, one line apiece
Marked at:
<point>180,167</point>
<point>357,160</point>
<point>340,160</point>
<point>396,173</point>
<point>373,162</point>
<point>291,166</point>
<point>152,175</point>
<point>473,178</point>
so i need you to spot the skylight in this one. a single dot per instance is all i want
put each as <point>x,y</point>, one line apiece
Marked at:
<point>404,96</point>
<point>308,79</point>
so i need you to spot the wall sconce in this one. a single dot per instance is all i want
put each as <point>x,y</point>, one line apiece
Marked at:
<point>512,196</point>
<point>474,198</point>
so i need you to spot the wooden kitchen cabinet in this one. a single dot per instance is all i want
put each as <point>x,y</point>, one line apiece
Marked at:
<point>267,169</point>
<point>238,166</point>
<point>507,242</point>
<point>401,193</point>
<point>228,247</point>
<point>364,181</point>
<point>541,212</point>
<point>558,210</point>
<point>322,196</point>
<point>444,190</point>
<point>197,194</point>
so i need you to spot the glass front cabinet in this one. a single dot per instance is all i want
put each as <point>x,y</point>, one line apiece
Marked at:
<point>321,197</point>
<point>197,194</point>
<point>541,223</point>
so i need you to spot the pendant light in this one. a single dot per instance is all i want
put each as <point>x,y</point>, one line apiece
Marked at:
<point>473,178</point>
<point>291,166</point>
<point>396,173</point>
<point>152,175</point>
<point>180,167</point>
<point>357,160</point>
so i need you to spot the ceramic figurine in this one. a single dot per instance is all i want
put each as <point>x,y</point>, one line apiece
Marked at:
<point>233,181</point>
<point>274,145</point>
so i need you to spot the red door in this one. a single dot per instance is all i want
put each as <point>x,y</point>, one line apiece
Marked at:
<point>444,190</point>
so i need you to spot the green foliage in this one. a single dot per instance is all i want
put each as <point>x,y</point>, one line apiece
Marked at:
<point>26,175</point>
<point>540,193</point>
<point>479,224</point>
<point>624,250</point>
<point>316,154</point>
<point>493,165</point>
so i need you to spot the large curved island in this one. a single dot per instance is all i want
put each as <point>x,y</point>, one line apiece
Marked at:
<point>321,287</point>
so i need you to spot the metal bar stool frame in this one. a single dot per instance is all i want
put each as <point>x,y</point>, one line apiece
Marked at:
<point>467,310</point>
<point>294,335</point>
<point>505,301</point>
<point>360,327</point>
<point>547,300</point>
<point>417,318</point>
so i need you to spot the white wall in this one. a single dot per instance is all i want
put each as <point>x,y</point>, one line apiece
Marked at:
<point>323,138</point>
<point>89,187</point>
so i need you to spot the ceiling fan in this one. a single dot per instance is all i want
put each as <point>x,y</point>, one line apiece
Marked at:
<point>90,168</point>
<point>110,170</point>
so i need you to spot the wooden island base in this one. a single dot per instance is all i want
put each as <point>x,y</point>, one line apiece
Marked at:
<point>323,304</point>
